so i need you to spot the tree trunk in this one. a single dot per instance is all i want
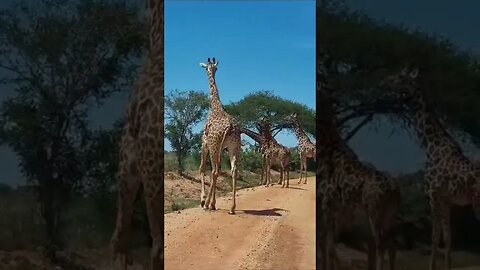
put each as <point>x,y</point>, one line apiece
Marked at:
<point>47,201</point>
<point>180,162</point>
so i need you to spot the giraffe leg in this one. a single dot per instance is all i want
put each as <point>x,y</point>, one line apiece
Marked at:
<point>330,232</point>
<point>371,262</point>
<point>332,258</point>
<point>280,180</point>
<point>203,158</point>
<point>435,238</point>
<point>288,176</point>
<point>214,158</point>
<point>263,170</point>
<point>128,189</point>
<point>305,170</point>
<point>214,187</point>
<point>445,221</point>
<point>234,153</point>
<point>376,254</point>
<point>209,203</point>
<point>219,156</point>
<point>213,202</point>
<point>268,175</point>
<point>377,235</point>
<point>301,170</point>
<point>153,202</point>
<point>266,171</point>
<point>392,254</point>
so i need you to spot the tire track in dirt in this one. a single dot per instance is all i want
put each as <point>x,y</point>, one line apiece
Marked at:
<point>273,228</point>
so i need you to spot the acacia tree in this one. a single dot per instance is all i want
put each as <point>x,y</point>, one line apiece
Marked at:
<point>272,107</point>
<point>60,58</point>
<point>355,52</point>
<point>184,110</point>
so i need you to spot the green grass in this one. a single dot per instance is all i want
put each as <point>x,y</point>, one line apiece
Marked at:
<point>182,203</point>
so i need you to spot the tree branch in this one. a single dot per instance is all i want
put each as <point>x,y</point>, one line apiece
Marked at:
<point>365,121</point>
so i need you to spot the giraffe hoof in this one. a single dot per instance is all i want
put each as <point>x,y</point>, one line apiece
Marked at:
<point>202,203</point>
<point>213,207</point>
<point>231,212</point>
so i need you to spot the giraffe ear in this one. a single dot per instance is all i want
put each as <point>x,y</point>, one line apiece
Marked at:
<point>216,64</point>
<point>203,65</point>
<point>414,73</point>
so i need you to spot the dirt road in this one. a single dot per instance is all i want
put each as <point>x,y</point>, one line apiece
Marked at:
<point>273,228</point>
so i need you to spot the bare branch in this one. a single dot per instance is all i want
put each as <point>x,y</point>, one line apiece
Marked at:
<point>365,121</point>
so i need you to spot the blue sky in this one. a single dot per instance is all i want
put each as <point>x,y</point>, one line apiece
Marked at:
<point>264,45</point>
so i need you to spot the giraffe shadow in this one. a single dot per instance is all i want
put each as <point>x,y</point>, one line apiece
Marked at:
<point>266,212</point>
<point>297,188</point>
<point>290,187</point>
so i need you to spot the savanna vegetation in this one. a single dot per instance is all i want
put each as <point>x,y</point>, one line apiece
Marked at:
<point>185,110</point>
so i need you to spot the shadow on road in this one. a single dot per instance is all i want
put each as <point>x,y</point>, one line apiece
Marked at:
<point>266,212</point>
<point>296,188</point>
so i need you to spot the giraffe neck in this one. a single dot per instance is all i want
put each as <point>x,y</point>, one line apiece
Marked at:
<point>301,135</point>
<point>155,8</point>
<point>433,135</point>
<point>255,136</point>
<point>215,104</point>
<point>328,135</point>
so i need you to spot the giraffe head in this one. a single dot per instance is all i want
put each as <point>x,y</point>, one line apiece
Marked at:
<point>292,118</point>
<point>210,66</point>
<point>263,123</point>
<point>263,126</point>
<point>403,86</point>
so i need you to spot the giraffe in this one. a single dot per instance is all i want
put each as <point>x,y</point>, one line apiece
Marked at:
<point>306,148</point>
<point>450,177</point>
<point>347,184</point>
<point>141,149</point>
<point>271,151</point>
<point>221,132</point>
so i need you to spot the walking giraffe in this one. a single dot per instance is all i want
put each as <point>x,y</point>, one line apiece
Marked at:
<point>141,149</point>
<point>306,148</point>
<point>272,152</point>
<point>348,184</point>
<point>220,132</point>
<point>450,177</point>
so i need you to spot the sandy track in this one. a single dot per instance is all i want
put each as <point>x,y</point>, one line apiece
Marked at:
<point>273,228</point>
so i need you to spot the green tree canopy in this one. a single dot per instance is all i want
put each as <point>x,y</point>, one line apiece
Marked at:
<point>272,107</point>
<point>183,110</point>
